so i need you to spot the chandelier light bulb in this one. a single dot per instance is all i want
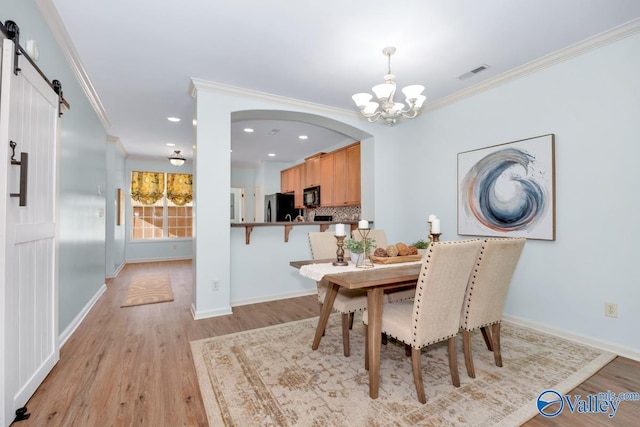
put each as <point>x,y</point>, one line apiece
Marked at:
<point>370,107</point>
<point>412,92</point>
<point>361,99</point>
<point>419,101</point>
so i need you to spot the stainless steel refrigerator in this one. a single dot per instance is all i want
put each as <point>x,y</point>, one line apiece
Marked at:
<point>277,206</point>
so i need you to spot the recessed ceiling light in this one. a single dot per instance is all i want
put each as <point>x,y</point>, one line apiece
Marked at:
<point>170,144</point>
<point>173,119</point>
<point>303,137</point>
<point>272,154</point>
<point>248,130</point>
<point>195,122</point>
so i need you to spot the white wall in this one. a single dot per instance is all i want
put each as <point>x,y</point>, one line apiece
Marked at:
<point>115,234</point>
<point>272,175</point>
<point>592,104</point>
<point>260,271</point>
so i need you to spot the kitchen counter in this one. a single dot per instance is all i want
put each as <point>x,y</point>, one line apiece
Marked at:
<point>288,226</point>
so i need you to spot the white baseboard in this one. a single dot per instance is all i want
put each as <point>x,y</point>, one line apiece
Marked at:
<point>623,351</point>
<point>64,336</point>
<point>138,261</point>
<point>197,315</point>
<point>118,270</point>
<point>228,310</point>
<point>296,294</point>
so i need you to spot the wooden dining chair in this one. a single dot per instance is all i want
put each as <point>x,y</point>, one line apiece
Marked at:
<point>434,314</point>
<point>486,293</point>
<point>348,301</point>
<point>380,238</point>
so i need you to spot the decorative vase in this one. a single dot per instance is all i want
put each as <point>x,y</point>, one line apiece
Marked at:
<point>354,257</point>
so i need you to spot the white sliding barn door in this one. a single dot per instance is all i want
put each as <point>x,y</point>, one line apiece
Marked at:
<point>28,272</point>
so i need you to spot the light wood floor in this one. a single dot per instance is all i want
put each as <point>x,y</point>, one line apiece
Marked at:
<point>132,366</point>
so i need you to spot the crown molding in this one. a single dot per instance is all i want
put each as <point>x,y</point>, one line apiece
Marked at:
<point>61,35</point>
<point>115,140</point>
<point>597,41</point>
<point>51,16</point>
<point>199,84</point>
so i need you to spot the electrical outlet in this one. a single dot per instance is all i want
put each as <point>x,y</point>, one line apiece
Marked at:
<point>215,285</point>
<point>611,309</point>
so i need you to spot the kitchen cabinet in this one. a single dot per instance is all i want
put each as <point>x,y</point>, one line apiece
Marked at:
<point>340,177</point>
<point>337,173</point>
<point>352,175</point>
<point>312,170</point>
<point>292,182</point>
<point>327,177</point>
<point>298,185</point>
<point>286,181</point>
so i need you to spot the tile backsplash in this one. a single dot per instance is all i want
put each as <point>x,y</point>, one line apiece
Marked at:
<point>348,213</point>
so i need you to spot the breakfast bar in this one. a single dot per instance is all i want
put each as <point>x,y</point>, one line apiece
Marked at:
<point>288,226</point>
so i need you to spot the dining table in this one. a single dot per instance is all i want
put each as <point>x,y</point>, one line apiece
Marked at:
<point>375,281</point>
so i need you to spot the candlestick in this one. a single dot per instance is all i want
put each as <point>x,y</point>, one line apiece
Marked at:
<point>435,237</point>
<point>435,226</point>
<point>340,230</point>
<point>340,252</point>
<point>431,218</point>
<point>365,261</point>
<point>363,223</point>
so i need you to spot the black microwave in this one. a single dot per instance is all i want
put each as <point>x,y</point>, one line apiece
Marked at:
<point>311,197</point>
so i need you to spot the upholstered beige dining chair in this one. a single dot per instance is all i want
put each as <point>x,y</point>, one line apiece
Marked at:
<point>486,293</point>
<point>380,238</point>
<point>347,302</point>
<point>434,314</point>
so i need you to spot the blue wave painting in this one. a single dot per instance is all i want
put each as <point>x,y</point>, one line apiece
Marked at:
<point>506,192</point>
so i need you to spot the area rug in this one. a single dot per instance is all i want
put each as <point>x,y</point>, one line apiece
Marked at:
<point>149,289</point>
<point>271,377</point>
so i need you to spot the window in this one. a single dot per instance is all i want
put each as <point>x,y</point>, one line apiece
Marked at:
<point>158,214</point>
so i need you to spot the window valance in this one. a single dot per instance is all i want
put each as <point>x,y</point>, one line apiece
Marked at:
<point>147,187</point>
<point>180,188</point>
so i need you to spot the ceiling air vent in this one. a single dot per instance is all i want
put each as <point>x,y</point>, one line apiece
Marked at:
<point>473,72</point>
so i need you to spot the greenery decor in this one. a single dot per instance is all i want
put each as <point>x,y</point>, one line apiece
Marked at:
<point>357,246</point>
<point>420,244</point>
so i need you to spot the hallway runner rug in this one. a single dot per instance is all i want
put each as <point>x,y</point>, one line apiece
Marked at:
<point>149,289</point>
<point>271,377</point>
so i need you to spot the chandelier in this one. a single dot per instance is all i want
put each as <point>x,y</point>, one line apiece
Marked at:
<point>386,108</point>
<point>176,158</point>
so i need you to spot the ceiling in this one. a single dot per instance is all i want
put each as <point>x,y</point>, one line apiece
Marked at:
<point>140,59</point>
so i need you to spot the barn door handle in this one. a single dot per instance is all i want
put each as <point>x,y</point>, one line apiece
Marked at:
<point>24,166</point>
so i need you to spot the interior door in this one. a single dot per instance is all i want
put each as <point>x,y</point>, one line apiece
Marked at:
<point>28,273</point>
<point>237,204</point>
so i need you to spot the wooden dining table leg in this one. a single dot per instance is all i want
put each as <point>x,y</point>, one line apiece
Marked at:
<point>374,330</point>
<point>327,306</point>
